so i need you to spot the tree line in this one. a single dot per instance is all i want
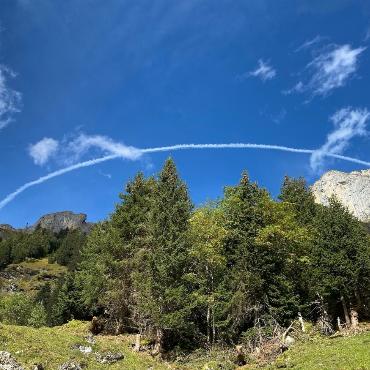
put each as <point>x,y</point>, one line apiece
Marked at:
<point>189,277</point>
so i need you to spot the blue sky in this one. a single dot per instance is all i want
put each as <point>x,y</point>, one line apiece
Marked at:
<point>85,79</point>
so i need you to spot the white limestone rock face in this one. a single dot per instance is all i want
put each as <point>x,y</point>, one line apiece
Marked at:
<point>351,189</point>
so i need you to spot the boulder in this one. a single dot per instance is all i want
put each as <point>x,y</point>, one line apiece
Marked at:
<point>7,362</point>
<point>109,357</point>
<point>83,349</point>
<point>71,365</point>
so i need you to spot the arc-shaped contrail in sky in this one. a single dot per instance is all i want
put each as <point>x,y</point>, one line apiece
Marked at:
<point>93,162</point>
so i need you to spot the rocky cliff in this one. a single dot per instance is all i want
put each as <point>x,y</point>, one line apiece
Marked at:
<point>351,189</point>
<point>54,222</point>
<point>58,221</point>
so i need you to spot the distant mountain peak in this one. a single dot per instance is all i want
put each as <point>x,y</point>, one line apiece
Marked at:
<point>58,221</point>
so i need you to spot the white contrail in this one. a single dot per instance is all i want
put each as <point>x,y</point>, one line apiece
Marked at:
<point>60,172</point>
<point>92,162</point>
<point>226,146</point>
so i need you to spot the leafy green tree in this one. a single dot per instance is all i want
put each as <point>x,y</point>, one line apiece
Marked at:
<point>281,257</point>
<point>208,267</point>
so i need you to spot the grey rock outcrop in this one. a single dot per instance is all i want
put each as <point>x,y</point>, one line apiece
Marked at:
<point>58,221</point>
<point>351,189</point>
<point>71,365</point>
<point>7,362</point>
<point>109,357</point>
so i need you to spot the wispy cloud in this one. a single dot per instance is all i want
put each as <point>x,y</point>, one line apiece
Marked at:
<point>264,71</point>
<point>83,143</point>
<point>43,150</point>
<point>329,70</point>
<point>9,99</point>
<point>348,123</point>
<point>309,43</point>
<point>72,151</point>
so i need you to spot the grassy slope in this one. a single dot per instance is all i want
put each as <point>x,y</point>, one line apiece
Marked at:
<point>33,274</point>
<point>341,353</point>
<point>52,347</point>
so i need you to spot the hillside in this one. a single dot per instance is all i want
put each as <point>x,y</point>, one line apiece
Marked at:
<point>52,347</point>
<point>29,276</point>
<point>339,353</point>
<point>225,285</point>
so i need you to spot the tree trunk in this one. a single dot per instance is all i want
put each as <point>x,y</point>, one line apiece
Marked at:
<point>137,343</point>
<point>345,311</point>
<point>339,324</point>
<point>208,325</point>
<point>300,319</point>
<point>158,342</point>
<point>354,318</point>
<point>213,326</point>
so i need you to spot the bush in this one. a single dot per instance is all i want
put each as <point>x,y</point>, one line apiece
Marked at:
<point>18,309</point>
<point>38,316</point>
<point>15,309</point>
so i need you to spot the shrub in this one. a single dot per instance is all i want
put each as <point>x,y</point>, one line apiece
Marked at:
<point>18,309</point>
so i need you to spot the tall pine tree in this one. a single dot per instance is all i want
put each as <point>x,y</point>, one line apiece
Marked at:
<point>162,295</point>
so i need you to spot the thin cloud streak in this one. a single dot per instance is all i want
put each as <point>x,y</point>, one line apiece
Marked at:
<point>307,44</point>
<point>10,100</point>
<point>51,175</point>
<point>93,162</point>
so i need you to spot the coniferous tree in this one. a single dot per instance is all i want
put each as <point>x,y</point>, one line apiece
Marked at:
<point>296,192</point>
<point>340,259</point>
<point>68,253</point>
<point>162,297</point>
<point>244,218</point>
<point>108,258</point>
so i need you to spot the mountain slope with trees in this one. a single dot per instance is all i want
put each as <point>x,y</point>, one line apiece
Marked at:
<point>240,270</point>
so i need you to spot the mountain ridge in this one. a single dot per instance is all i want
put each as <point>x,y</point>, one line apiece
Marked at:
<point>54,222</point>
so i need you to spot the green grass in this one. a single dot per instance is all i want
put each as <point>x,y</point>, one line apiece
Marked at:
<point>52,347</point>
<point>340,353</point>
